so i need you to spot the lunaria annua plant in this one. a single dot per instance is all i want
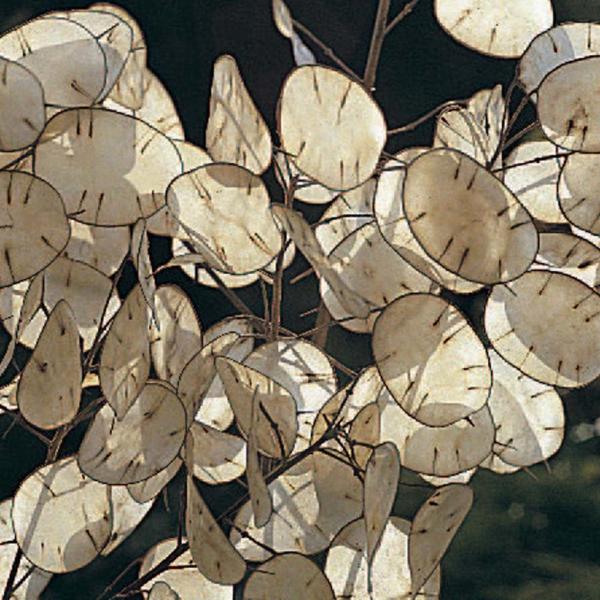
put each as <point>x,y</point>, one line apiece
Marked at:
<point>95,164</point>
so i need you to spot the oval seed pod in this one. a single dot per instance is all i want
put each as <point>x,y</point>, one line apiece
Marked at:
<point>139,445</point>
<point>350,573</point>
<point>466,219</point>
<point>579,192</point>
<point>557,46</point>
<point>224,209</point>
<point>23,112</point>
<point>434,528</point>
<point>64,544</point>
<point>34,228</point>
<point>517,318</point>
<point>110,168</point>
<point>495,28</point>
<point>528,415</point>
<point>317,112</point>
<point>431,360</point>
<point>64,55</point>
<point>286,577</point>
<point>49,389</point>
<point>235,132</point>
<point>186,580</point>
<point>567,108</point>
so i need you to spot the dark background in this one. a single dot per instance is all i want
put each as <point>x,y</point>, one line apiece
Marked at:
<point>530,536</point>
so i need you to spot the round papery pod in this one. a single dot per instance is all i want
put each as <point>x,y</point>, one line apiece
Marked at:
<point>306,190</point>
<point>127,514</point>
<point>529,416</point>
<point>534,183</point>
<point>306,514</point>
<point>224,209</point>
<point>22,108</point>
<point>33,226</point>
<point>147,490</point>
<point>571,255</point>
<point>129,87</point>
<point>110,168</point>
<point>215,410</point>
<point>501,29</point>
<point>49,389</point>
<point>433,530</point>
<point>34,580</point>
<point>382,474</point>
<point>176,336</point>
<point>199,374</point>
<point>235,131</point>
<point>347,566</point>
<point>158,108</point>
<point>218,457</point>
<point>62,519</point>
<point>318,112</point>
<point>213,553</point>
<point>339,489</point>
<point>89,293</point>
<point>431,360</point>
<point>567,108</point>
<point>145,441</point>
<point>65,56</point>
<point>125,358</point>
<point>372,270</point>
<point>185,580</point>
<point>547,325</point>
<point>163,222</point>
<point>103,248</point>
<point>437,451</point>
<point>162,591</point>
<point>276,425</point>
<point>579,192</point>
<point>390,217</point>
<point>288,576</point>
<point>304,371</point>
<point>346,214</point>
<point>463,477</point>
<point>561,44</point>
<point>467,220</point>
<point>113,34</point>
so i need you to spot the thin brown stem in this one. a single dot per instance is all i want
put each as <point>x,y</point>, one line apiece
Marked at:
<point>538,159</point>
<point>428,115</point>
<point>520,134</point>
<point>19,420</point>
<point>8,588</point>
<point>408,8</point>
<point>325,49</point>
<point>377,38</point>
<point>231,296</point>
